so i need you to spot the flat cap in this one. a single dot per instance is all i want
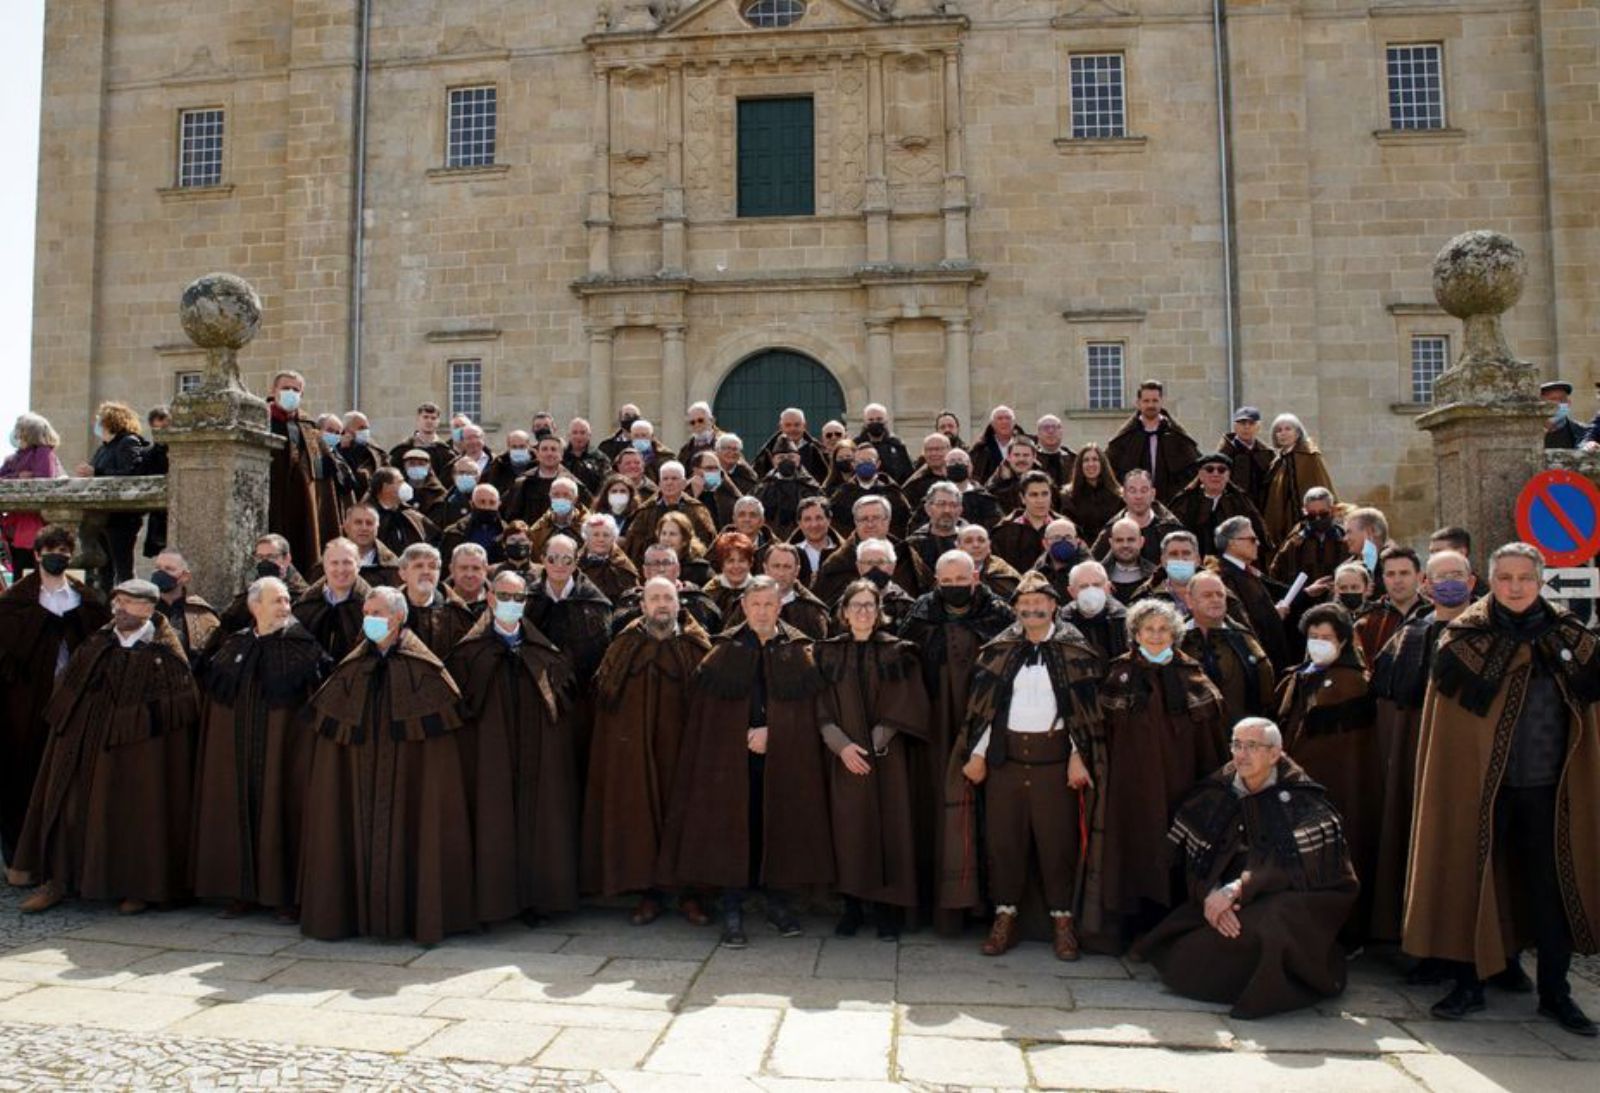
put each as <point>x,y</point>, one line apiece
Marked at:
<point>1247,413</point>
<point>1555,385</point>
<point>138,589</point>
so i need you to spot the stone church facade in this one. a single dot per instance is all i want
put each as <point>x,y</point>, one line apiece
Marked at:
<point>516,205</point>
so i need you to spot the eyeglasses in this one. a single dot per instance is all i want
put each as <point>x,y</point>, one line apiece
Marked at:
<point>511,597</point>
<point>867,605</point>
<point>1246,539</point>
<point>832,436</point>
<point>1213,470</point>
<point>1249,746</point>
<point>560,559</point>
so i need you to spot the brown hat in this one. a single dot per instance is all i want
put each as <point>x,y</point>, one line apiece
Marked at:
<point>1035,582</point>
<point>784,446</point>
<point>416,454</point>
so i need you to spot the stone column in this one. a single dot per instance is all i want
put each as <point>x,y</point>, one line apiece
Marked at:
<point>601,340</point>
<point>955,172</point>
<point>880,361</point>
<point>1488,424</point>
<point>674,386</point>
<point>219,446</point>
<point>958,368</point>
<point>674,254</point>
<point>598,220</point>
<point>875,203</point>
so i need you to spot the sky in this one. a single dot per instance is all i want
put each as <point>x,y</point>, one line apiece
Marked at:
<point>21,49</point>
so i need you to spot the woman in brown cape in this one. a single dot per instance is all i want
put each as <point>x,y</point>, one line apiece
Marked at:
<point>1093,496</point>
<point>44,617</point>
<point>1163,733</point>
<point>1329,721</point>
<point>874,697</point>
<point>109,818</point>
<point>254,757</point>
<point>641,713</point>
<point>388,836</point>
<point>1296,468</point>
<point>518,761</point>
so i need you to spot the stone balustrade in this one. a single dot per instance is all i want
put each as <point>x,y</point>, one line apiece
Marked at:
<point>83,503</point>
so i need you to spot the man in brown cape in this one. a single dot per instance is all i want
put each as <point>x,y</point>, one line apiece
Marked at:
<point>1231,656</point>
<point>331,608</point>
<point>1031,718</point>
<point>109,818</point>
<point>388,834</point>
<point>1269,882</point>
<point>43,619</point>
<point>949,624</point>
<point>1511,735</point>
<point>641,713</point>
<point>518,760</point>
<point>254,757</point>
<point>297,469</point>
<point>749,804</point>
<point>1152,441</point>
<point>193,619</point>
<point>436,614</point>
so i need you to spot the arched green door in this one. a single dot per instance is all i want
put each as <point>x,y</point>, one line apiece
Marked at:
<point>758,390</point>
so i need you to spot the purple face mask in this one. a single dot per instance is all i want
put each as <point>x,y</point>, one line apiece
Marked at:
<point>1451,593</point>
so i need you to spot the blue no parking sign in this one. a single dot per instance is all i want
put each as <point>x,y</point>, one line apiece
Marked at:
<point>1559,512</point>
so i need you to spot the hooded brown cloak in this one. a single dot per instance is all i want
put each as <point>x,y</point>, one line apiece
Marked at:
<point>707,839</point>
<point>1291,475</point>
<point>337,627</point>
<point>520,769</point>
<point>109,818</point>
<point>874,699</point>
<point>1176,452</point>
<point>388,836</point>
<point>254,757</point>
<point>441,622</point>
<point>641,712</point>
<point>296,474</point>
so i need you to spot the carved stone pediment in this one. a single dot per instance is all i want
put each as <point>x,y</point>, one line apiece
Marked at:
<point>723,17</point>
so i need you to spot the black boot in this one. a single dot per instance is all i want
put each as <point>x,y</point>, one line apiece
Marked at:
<point>851,920</point>
<point>887,920</point>
<point>1462,1000</point>
<point>1565,1012</point>
<point>1513,980</point>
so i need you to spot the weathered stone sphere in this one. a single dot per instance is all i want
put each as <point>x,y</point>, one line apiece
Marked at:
<point>1479,273</point>
<point>220,311</point>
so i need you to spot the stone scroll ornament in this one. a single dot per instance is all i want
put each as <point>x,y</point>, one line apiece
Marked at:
<point>221,313</point>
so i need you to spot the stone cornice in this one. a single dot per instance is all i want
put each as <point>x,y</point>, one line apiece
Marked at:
<point>816,280</point>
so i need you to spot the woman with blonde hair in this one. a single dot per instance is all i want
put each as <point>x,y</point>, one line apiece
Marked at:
<point>676,531</point>
<point>1296,468</point>
<point>121,453</point>
<point>35,442</point>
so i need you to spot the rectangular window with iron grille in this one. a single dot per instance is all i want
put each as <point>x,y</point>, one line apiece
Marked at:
<point>1106,361</point>
<point>1430,356</point>
<point>474,115</point>
<point>1099,96</point>
<point>1416,86</point>
<point>200,148</point>
<point>189,381</point>
<point>466,388</point>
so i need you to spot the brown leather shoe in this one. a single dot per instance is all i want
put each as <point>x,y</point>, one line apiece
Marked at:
<point>648,911</point>
<point>1002,935</point>
<point>132,907</point>
<point>42,898</point>
<point>692,911</point>
<point>17,878</point>
<point>1066,943</point>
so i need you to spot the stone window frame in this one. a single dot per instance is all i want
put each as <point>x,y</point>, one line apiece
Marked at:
<point>172,189</point>
<point>1089,348</point>
<point>459,360</point>
<point>1088,42</point>
<point>184,165</point>
<point>723,200</point>
<point>1413,321</point>
<point>1389,60</point>
<point>450,93</point>
<point>1403,27</point>
<point>782,13</point>
<point>187,380</point>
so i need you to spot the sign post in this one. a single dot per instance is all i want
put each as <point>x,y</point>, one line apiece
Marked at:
<point>1559,512</point>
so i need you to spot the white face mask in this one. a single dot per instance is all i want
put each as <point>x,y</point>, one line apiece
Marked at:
<point>1091,600</point>
<point>619,501</point>
<point>1321,651</point>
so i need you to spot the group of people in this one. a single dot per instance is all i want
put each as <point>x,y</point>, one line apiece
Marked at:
<point>1142,698</point>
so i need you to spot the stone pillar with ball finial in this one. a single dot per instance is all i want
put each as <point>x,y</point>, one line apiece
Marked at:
<point>219,444</point>
<point>1488,423</point>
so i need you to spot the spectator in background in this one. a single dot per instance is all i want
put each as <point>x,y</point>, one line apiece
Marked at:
<point>120,454</point>
<point>35,441</point>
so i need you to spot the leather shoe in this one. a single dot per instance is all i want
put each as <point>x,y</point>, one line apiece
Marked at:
<point>132,907</point>
<point>1458,1003</point>
<point>693,912</point>
<point>1565,1012</point>
<point>648,911</point>
<point>785,923</point>
<point>17,878</point>
<point>733,931</point>
<point>850,922</point>
<point>1066,940</point>
<point>42,898</point>
<point>1002,935</point>
<point>1513,980</point>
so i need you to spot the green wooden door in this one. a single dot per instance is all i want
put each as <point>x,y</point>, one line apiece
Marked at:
<point>776,152</point>
<point>757,391</point>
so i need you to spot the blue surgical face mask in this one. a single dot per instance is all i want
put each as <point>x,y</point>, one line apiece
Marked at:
<point>458,434</point>
<point>465,482</point>
<point>375,628</point>
<point>713,480</point>
<point>332,439</point>
<point>1180,571</point>
<point>363,437</point>
<point>560,506</point>
<point>417,474</point>
<point>520,457</point>
<point>289,399</point>
<point>1369,556</point>
<point>1563,412</point>
<point>508,611</point>
<point>641,444</point>
<point>1162,657</point>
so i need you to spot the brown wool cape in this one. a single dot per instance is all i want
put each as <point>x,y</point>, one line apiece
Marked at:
<point>641,712</point>
<point>441,622</point>
<point>388,838</point>
<point>1459,899</point>
<point>292,509</point>
<point>1163,733</point>
<point>874,694</point>
<point>707,838</point>
<point>253,760</point>
<point>109,818</point>
<point>520,770</point>
<point>1285,843</point>
<point>1288,479</point>
<point>337,627</point>
<point>30,642</point>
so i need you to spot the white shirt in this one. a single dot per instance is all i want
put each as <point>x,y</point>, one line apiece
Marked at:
<point>813,555</point>
<point>370,557</point>
<point>144,633</point>
<point>1237,562</point>
<point>336,598</point>
<point>551,592</point>
<point>1033,703</point>
<point>58,603</point>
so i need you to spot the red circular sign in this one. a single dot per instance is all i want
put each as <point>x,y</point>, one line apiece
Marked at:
<point>1559,512</point>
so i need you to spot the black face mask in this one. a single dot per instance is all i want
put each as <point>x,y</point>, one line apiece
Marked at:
<point>518,552</point>
<point>264,568</point>
<point>540,434</point>
<point>485,516</point>
<point>878,577</point>
<point>163,580</point>
<point>626,422</point>
<point>1352,601</point>
<point>877,430</point>
<point>1320,523</point>
<point>957,472</point>
<point>956,595</point>
<point>845,467</point>
<point>787,469</point>
<point>53,564</point>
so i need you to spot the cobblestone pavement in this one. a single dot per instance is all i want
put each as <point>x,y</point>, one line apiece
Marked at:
<point>184,1000</point>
